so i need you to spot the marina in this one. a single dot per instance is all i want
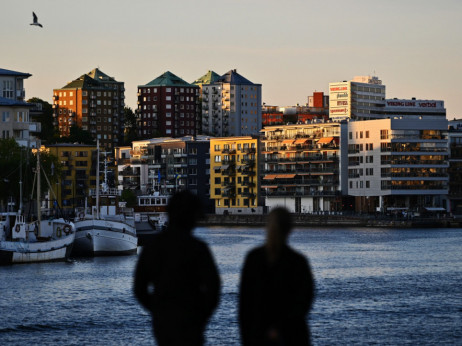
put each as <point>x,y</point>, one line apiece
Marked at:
<point>374,286</point>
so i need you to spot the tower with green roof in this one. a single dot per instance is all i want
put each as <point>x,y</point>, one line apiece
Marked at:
<point>93,102</point>
<point>167,107</point>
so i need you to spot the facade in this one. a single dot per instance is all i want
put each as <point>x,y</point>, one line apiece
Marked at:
<point>303,167</point>
<point>94,102</point>
<point>398,164</point>
<point>234,172</point>
<point>15,121</point>
<point>168,106</point>
<point>455,167</point>
<point>231,106</point>
<point>181,164</point>
<point>78,176</point>
<point>362,98</point>
<point>318,101</point>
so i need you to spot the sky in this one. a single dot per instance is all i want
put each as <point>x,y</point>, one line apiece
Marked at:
<point>291,47</point>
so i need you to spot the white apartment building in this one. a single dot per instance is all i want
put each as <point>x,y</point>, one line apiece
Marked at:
<point>398,164</point>
<point>305,166</point>
<point>361,98</point>
<point>15,121</point>
<point>231,106</point>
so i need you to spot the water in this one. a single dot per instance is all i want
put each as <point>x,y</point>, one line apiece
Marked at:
<point>374,286</point>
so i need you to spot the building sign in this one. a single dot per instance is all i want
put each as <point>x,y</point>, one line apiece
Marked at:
<point>417,104</point>
<point>339,96</point>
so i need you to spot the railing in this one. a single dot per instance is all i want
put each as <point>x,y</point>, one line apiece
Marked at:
<point>300,193</point>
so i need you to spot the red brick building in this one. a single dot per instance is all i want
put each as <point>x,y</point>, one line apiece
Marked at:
<point>167,106</point>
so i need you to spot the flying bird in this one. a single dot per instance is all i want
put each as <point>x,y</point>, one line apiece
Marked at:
<point>35,20</point>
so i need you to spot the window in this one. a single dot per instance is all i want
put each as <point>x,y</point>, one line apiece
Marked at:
<point>367,134</point>
<point>169,90</point>
<point>350,135</point>
<point>383,134</point>
<point>368,184</point>
<point>217,158</point>
<point>8,91</point>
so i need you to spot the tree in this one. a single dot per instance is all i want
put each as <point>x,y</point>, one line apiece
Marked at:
<point>129,197</point>
<point>77,135</point>
<point>19,163</point>
<point>48,133</point>
<point>130,122</point>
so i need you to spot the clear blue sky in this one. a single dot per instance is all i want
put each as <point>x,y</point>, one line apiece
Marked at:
<point>292,47</point>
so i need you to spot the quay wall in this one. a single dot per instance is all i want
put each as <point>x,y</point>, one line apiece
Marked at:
<point>306,220</point>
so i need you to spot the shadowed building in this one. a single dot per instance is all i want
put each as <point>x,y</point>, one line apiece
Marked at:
<point>94,102</point>
<point>167,106</point>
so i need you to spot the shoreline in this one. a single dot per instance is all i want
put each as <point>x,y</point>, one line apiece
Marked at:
<point>307,220</point>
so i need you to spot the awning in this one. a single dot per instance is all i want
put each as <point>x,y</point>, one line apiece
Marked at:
<point>285,176</point>
<point>225,167</point>
<point>270,176</point>
<point>269,186</point>
<point>395,208</point>
<point>287,141</point>
<point>434,209</point>
<point>300,141</point>
<point>325,140</point>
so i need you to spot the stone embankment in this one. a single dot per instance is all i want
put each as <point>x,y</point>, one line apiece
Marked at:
<point>307,220</point>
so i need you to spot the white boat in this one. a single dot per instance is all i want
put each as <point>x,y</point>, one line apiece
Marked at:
<point>108,230</point>
<point>37,241</point>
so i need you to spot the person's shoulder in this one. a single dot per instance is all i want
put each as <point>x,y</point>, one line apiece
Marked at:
<point>255,253</point>
<point>296,255</point>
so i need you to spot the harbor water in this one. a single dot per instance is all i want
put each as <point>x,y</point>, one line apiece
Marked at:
<point>374,286</point>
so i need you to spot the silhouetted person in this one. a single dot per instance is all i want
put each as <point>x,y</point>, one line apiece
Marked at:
<point>276,289</point>
<point>176,277</point>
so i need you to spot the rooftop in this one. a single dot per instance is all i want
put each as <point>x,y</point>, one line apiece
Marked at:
<point>4,72</point>
<point>168,79</point>
<point>97,74</point>
<point>208,78</point>
<point>84,82</point>
<point>232,77</point>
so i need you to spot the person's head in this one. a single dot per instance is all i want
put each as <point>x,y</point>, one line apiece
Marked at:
<point>184,209</point>
<point>278,229</point>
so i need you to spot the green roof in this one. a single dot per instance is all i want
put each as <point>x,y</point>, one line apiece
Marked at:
<point>84,82</point>
<point>207,78</point>
<point>97,74</point>
<point>168,79</point>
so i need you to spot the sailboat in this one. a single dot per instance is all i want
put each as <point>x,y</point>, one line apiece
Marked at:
<point>36,241</point>
<point>108,230</point>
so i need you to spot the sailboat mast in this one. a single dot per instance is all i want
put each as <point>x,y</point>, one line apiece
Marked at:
<point>97,178</point>
<point>20,183</point>
<point>39,214</point>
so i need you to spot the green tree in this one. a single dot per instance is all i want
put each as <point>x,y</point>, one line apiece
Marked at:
<point>17,162</point>
<point>48,133</point>
<point>129,197</point>
<point>130,122</point>
<point>77,135</point>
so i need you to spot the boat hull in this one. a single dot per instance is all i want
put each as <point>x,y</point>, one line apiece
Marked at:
<point>104,238</point>
<point>12,252</point>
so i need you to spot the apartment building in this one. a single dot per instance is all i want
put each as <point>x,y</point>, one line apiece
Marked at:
<point>361,98</point>
<point>15,120</point>
<point>208,78</point>
<point>398,164</point>
<point>455,167</point>
<point>78,175</point>
<point>168,107</point>
<point>231,106</point>
<point>234,172</point>
<point>303,167</point>
<point>94,102</point>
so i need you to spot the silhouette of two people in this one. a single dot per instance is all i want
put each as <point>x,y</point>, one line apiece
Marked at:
<point>276,289</point>
<point>176,278</point>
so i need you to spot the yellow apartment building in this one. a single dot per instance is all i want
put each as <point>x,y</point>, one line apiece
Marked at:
<point>78,175</point>
<point>234,184</point>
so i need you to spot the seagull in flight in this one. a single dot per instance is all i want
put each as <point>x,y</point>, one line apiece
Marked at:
<point>35,20</point>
